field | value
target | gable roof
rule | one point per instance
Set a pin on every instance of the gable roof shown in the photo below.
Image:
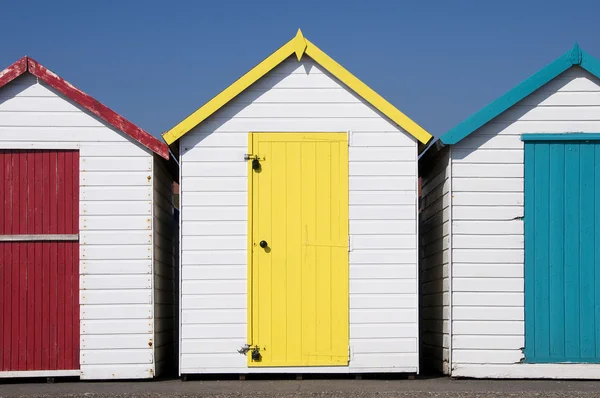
(299, 46)
(574, 57)
(27, 64)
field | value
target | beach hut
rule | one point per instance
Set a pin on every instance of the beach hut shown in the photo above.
(86, 235)
(510, 229)
(298, 223)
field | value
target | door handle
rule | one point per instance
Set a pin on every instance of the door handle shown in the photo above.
(263, 244)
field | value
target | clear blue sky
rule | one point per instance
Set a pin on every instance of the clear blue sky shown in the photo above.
(157, 61)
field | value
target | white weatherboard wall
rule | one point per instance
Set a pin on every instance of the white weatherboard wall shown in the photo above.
(116, 235)
(296, 97)
(488, 239)
(434, 230)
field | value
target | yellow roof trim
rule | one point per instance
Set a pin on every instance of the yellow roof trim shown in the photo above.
(298, 46)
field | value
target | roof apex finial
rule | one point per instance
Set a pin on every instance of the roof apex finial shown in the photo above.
(299, 44)
(575, 55)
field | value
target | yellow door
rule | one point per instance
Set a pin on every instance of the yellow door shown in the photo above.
(298, 282)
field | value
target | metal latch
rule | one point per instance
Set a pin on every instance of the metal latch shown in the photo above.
(255, 161)
(255, 355)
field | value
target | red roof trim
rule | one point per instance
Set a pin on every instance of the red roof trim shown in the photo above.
(81, 98)
(12, 72)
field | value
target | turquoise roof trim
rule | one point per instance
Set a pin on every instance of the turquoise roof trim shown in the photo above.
(574, 56)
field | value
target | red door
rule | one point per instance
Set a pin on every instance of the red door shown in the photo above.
(39, 260)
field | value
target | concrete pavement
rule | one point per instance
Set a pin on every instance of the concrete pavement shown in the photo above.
(433, 388)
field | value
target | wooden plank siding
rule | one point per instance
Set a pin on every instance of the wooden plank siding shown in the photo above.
(165, 232)
(116, 249)
(383, 250)
(434, 258)
(488, 241)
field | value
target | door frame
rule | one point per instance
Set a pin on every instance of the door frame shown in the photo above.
(528, 206)
(250, 230)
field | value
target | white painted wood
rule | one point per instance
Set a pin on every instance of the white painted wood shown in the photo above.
(382, 227)
(213, 301)
(382, 198)
(216, 213)
(487, 342)
(377, 300)
(382, 271)
(131, 223)
(487, 284)
(117, 372)
(116, 163)
(487, 199)
(116, 177)
(381, 154)
(488, 299)
(492, 328)
(382, 185)
(115, 252)
(397, 184)
(115, 267)
(97, 282)
(124, 326)
(379, 168)
(487, 356)
(100, 193)
(486, 170)
(400, 256)
(214, 228)
(222, 184)
(487, 314)
(495, 227)
(513, 256)
(486, 270)
(488, 241)
(115, 237)
(131, 311)
(108, 357)
(478, 213)
(471, 184)
(112, 342)
(383, 346)
(528, 371)
(38, 373)
(293, 110)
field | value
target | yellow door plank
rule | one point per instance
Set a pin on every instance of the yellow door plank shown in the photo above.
(299, 289)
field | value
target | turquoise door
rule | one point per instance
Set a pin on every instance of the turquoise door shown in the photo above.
(562, 248)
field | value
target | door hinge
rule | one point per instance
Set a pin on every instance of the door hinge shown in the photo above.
(248, 156)
(349, 353)
(349, 243)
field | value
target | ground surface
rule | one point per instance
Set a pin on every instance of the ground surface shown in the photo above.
(434, 388)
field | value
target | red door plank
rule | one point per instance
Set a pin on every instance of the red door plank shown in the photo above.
(31, 261)
(39, 275)
(46, 166)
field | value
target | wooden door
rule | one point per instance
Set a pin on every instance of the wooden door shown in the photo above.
(39, 260)
(299, 245)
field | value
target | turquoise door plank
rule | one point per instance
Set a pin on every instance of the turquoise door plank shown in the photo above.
(542, 249)
(586, 251)
(572, 250)
(556, 251)
(529, 212)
